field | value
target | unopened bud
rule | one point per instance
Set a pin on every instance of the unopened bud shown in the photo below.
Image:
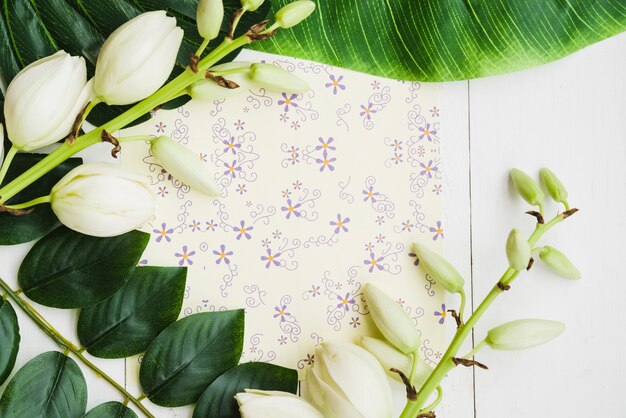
(517, 250)
(251, 5)
(294, 13)
(209, 16)
(527, 187)
(559, 263)
(277, 79)
(439, 268)
(523, 334)
(554, 186)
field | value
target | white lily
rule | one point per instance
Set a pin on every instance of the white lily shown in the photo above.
(273, 404)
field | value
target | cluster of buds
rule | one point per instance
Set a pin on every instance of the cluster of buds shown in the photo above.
(49, 99)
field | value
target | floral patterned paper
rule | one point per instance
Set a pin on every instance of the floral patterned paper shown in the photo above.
(320, 193)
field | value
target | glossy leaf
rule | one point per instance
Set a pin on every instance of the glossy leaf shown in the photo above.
(218, 400)
(111, 410)
(25, 228)
(9, 339)
(190, 354)
(127, 322)
(49, 386)
(444, 40)
(67, 269)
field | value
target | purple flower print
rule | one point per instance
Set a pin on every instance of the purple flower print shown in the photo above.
(162, 191)
(340, 224)
(417, 260)
(231, 145)
(163, 233)
(374, 262)
(427, 132)
(335, 83)
(326, 162)
(266, 242)
(443, 313)
(185, 256)
(282, 340)
(438, 231)
(397, 145)
(291, 209)
(428, 169)
(241, 188)
(326, 144)
(195, 226)
(345, 302)
(242, 230)
(367, 111)
(310, 359)
(271, 258)
(231, 169)
(288, 101)
(160, 127)
(314, 290)
(239, 125)
(437, 189)
(210, 225)
(370, 194)
(281, 312)
(380, 220)
(369, 247)
(284, 117)
(297, 185)
(407, 226)
(380, 238)
(355, 322)
(375, 84)
(434, 111)
(222, 255)
(397, 158)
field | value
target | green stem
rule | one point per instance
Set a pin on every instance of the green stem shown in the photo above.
(37, 201)
(136, 138)
(171, 89)
(67, 345)
(462, 307)
(240, 70)
(446, 364)
(475, 350)
(7, 162)
(414, 363)
(238, 14)
(435, 403)
(202, 47)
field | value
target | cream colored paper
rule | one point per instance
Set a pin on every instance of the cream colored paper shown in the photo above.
(332, 186)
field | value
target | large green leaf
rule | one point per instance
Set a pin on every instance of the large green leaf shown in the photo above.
(49, 386)
(110, 410)
(25, 228)
(9, 339)
(218, 400)
(443, 40)
(66, 269)
(127, 322)
(190, 354)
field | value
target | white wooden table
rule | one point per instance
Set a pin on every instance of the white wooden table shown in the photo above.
(569, 116)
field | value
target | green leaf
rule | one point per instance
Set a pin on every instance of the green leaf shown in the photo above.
(67, 269)
(190, 354)
(218, 400)
(49, 386)
(110, 410)
(25, 228)
(9, 339)
(127, 322)
(445, 40)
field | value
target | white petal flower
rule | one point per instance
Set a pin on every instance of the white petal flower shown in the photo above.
(273, 404)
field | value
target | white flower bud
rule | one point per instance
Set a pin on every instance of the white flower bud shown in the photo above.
(554, 186)
(392, 321)
(294, 13)
(517, 250)
(102, 200)
(207, 89)
(347, 381)
(272, 404)
(527, 187)
(209, 17)
(251, 5)
(137, 58)
(183, 164)
(523, 334)
(276, 79)
(439, 268)
(559, 263)
(43, 100)
(389, 357)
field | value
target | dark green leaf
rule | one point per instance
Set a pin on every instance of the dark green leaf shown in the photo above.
(49, 386)
(127, 322)
(190, 354)
(218, 400)
(25, 228)
(8, 63)
(108, 15)
(67, 269)
(443, 40)
(110, 410)
(9, 339)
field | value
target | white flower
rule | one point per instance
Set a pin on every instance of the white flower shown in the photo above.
(439, 268)
(137, 58)
(183, 164)
(273, 404)
(102, 200)
(346, 381)
(251, 5)
(276, 79)
(209, 16)
(43, 100)
(517, 250)
(523, 334)
(392, 321)
(558, 262)
(294, 13)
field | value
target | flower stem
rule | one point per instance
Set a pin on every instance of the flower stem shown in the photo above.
(435, 403)
(162, 95)
(37, 201)
(7, 162)
(446, 364)
(67, 345)
(475, 350)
